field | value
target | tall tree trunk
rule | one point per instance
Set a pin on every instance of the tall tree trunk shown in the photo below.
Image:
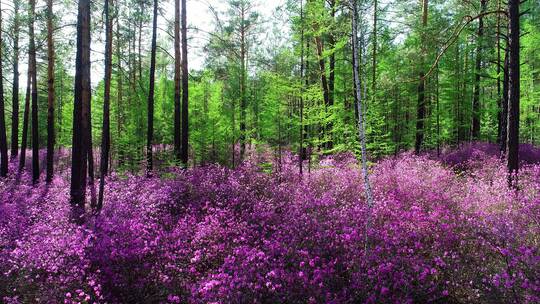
(301, 151)
(478, 70)
(374, 63)
(89, 145)
(513, 87)
(80, 112)
(438, 111)
(324, 81)
(3, 136)
(185, 84)
(50, 93)
(331, 76)
(421, 107)
(24, 139)
(243, 101)
(361, 128)
(499, 63)
(106, 131)
(15, 87)
(504, 106)
(35, 126)
(149, 163)
(119, 90)
(177, 80)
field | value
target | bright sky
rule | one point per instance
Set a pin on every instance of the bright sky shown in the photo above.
(198, 16)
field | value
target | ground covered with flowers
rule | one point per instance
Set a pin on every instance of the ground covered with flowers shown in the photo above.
(443, 230)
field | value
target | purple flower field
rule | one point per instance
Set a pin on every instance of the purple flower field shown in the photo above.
(442, 230)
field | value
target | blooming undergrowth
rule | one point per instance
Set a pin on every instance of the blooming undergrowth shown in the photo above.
(442, 230)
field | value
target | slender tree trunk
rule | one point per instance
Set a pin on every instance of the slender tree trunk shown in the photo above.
(421, 107)
(119, 91)
(177, 80)
(499, 63)
(361, 129)
(50, 91)
(324, 81)
(24, 139)
(374, 63)
(185, 87)
(89, 145)
(80, 112)
(513, 87)
(301, 149)
(106, 131)
(3, 137)
(438, 113)
(243, 101)
(331, 77)
(149, 164)
(15, 87)
(504, 110)
(34, 94)
(478, 70)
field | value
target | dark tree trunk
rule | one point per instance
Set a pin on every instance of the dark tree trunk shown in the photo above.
(177, 80)
(421, 112)
(243, 101)
(106, 131)
(478, 69)
(504, 106)
(499, 94)
(149, 164)
(3, 136)
(15, 87)
(374, 63)
(24, 139)
(50, 93)
(301, 151)
(119, 91)
(35, 126)
(421, 107)
(324, 81)
(513, 86)
(89, 144)
(80, 112)
(185, 83)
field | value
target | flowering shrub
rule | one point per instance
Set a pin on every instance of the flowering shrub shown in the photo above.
(215, 235)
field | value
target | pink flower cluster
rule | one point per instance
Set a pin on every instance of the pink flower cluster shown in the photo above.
(214, 235)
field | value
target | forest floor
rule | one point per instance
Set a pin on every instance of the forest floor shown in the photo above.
(443, 229)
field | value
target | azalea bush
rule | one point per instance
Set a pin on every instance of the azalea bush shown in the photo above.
(442, 230)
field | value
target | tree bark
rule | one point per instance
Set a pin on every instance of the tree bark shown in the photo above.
(243, 101)
(150, 135)
(15, 87)
(301, 151)
(421, 107)
(478, 69)
(24, 139)
(361, 129)
(504, 106)
(374, 63)
(513, 88)
(499, 63)
(50, 93)
(80, 112)
(3, 136)
(185, 85)
(177, 80)
(34, 94)
(106, 131)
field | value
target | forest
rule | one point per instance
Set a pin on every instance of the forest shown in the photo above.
(288, 151)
